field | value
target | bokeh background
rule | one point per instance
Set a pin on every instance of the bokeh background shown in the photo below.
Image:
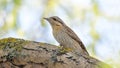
(96, 22)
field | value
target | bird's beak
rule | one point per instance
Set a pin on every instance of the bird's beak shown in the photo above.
(46, 18)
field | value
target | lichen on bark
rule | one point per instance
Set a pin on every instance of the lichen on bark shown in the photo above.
(19, 53)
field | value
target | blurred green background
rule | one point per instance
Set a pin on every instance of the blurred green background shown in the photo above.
(96, 22)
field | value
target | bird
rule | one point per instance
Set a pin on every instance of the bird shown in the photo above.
(65, 36)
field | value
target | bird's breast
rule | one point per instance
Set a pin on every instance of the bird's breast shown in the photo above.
(66, 41)
(63, 38)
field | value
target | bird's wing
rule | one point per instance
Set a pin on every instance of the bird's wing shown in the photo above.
(75, 37)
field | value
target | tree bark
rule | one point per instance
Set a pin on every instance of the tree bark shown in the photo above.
(19, 53)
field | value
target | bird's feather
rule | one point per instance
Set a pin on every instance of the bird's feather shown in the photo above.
(75, 37)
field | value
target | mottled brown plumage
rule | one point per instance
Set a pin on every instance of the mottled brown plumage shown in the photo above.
(65, 36)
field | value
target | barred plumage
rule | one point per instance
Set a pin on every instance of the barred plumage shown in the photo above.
(65, 36)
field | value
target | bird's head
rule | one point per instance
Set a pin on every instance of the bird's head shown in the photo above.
(55, 21)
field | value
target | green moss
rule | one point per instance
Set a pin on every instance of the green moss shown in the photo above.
(12, 44)
(64, 50)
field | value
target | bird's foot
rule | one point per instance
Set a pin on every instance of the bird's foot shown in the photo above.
(63, 50)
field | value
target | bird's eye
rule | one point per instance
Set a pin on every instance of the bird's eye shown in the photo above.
(55, 19)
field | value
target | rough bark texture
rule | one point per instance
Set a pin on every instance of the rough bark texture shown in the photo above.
(19, 53)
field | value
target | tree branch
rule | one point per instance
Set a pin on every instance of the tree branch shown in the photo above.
(19, 53)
